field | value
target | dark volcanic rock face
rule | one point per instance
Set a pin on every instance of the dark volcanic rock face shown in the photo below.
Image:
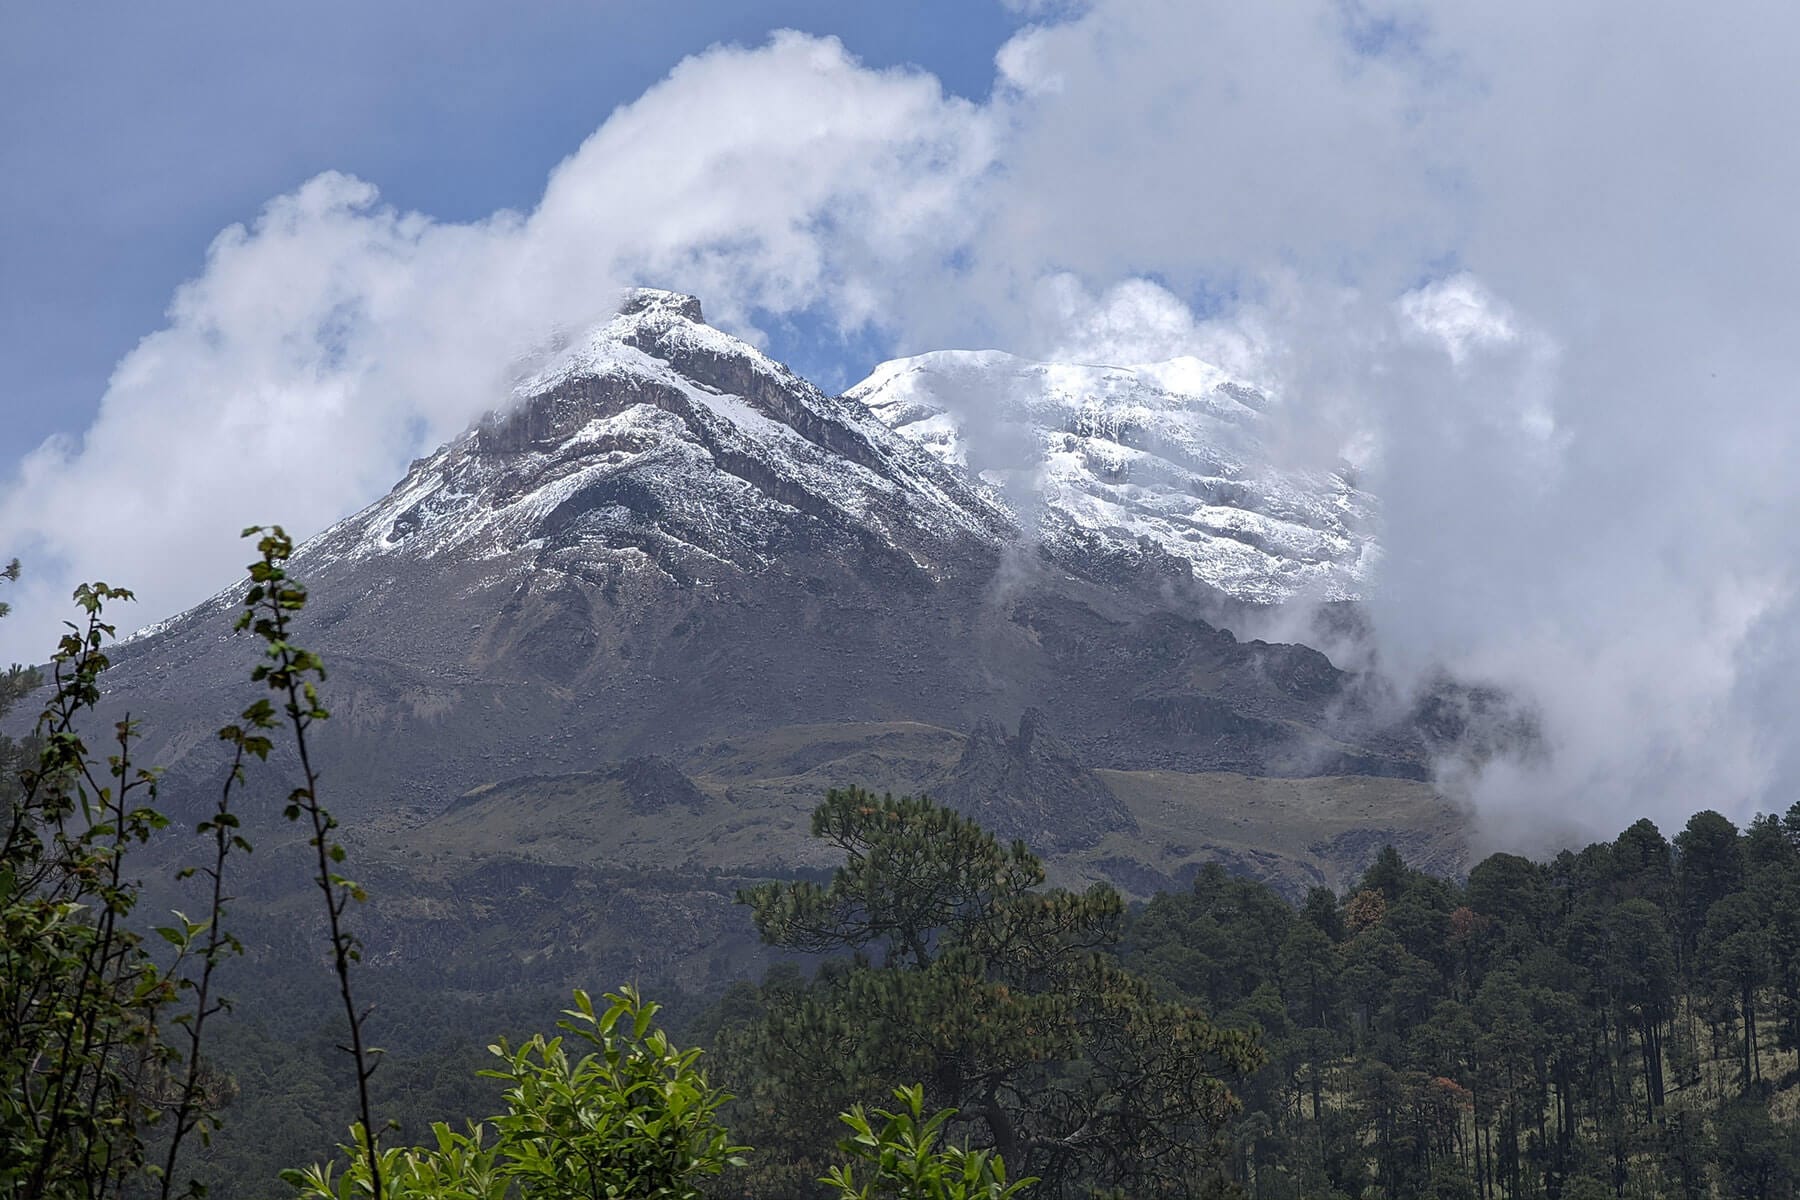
(1032, 786)
(652, 783)
(666, 539)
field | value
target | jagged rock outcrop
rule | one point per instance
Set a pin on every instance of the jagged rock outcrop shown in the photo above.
(653, 783)
(1031, 785)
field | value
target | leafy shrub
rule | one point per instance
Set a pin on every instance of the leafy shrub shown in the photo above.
(904, 1162)
(630, 1117)
(84, 1069)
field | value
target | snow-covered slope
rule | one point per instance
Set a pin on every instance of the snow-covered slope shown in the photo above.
(1171, 451)
(661, 442)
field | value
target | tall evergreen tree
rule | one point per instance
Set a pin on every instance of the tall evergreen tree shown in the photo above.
(972, 979)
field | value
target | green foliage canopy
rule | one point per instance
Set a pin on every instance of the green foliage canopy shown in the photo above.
(992, 991)
(630, 1117)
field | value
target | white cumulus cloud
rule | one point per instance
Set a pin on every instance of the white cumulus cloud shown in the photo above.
(334, 338)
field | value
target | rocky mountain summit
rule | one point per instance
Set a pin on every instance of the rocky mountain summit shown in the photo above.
(1032, 786)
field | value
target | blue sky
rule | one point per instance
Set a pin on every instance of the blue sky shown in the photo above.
(1532, 265)
(131, 134)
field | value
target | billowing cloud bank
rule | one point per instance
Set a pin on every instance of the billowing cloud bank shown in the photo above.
(1531, 267)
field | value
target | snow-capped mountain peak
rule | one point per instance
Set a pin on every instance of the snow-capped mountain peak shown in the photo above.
(658, 441)
(658, 445)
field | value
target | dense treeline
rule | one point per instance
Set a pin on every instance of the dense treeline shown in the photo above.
(1610, 1022)
(1618, 1021)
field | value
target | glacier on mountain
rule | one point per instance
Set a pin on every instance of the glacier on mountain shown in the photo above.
(1172, 451)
